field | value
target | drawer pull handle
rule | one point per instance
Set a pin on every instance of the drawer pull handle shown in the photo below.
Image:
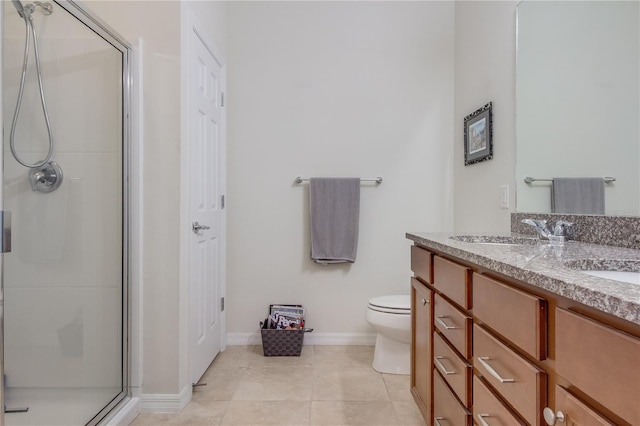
(424, 302)
(444, 324)
(441, 366)
(551, 418)
(481, 419)
(483, 360)
(435, 419)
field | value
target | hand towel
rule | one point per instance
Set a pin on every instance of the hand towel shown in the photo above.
(335, 215)
(577, 195)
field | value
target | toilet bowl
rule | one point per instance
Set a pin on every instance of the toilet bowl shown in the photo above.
(390, 316)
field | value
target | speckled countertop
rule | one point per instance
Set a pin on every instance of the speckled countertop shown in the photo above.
(554, 268)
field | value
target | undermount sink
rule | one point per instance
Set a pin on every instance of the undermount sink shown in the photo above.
(501, 240)
(627, 271)
(624, 276)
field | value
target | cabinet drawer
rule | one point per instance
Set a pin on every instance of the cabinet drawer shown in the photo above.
(454, 325)
(489, 410)
(422, 334)
(518, 316)
(422, 263)
(577, 412)
(455, 370)
(447, 410)
(453, 280)
(521, 383)
(600, 361)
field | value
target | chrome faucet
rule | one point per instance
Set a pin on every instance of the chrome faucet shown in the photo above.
(562, 231)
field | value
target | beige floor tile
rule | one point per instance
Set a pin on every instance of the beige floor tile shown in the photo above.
(348, 384)
(153, 419)
(264, 413)
(326, 385)
(222, 384)
(304, 360)
(352, 413)
(398, 386)
(210, 413)
(234, 356)
(408, 414)
(276, 384)
(343, 356)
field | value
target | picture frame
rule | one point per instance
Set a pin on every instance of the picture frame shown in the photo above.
(478, 135)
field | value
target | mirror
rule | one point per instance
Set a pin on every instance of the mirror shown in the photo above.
(578, 100)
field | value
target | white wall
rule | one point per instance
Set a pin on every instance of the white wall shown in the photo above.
(334, 89)
(161, 125)
(485, 71)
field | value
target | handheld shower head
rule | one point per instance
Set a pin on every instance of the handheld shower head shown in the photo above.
(19, 7)
(25, 11)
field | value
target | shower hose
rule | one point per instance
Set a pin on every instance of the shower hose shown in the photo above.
(30, 29)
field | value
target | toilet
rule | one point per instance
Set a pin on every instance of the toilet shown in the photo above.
(390, 316)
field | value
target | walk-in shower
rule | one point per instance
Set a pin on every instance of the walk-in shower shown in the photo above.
(65, 97)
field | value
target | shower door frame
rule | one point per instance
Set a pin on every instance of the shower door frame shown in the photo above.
(104, 31)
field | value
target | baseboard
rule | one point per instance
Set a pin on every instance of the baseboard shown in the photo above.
(165, 403)
(126, 414)
(313, 338)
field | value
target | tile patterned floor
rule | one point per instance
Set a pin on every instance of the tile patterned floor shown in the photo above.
(326, 385)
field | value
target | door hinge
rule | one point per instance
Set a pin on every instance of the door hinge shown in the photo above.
(222, 99)
(222, 202)
(222, 304)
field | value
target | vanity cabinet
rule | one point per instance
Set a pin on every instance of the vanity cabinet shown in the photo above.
(517, 316)
(574, 412)
(447, 410)
(600, 361)
(491, 350)
(519, 382)
(421, 353)
(422, 330)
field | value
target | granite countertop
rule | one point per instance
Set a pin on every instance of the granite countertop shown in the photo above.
(553, 268)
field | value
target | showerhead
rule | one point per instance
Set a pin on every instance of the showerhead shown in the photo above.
(26, 11)
(19, 7)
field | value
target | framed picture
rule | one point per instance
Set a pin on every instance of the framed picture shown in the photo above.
(478, 135)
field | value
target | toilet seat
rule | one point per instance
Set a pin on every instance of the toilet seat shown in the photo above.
(395, 304)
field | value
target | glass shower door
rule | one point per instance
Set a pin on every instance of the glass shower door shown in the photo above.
(65, 280)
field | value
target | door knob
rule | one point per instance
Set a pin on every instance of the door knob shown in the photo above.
(551, 418)
(196, 227)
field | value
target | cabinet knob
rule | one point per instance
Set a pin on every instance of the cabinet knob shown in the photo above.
(424, 302)
(551, 418)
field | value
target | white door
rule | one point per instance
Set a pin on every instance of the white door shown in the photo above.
(206, 144)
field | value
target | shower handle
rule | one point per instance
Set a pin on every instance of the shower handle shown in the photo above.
(196, 227)
(5, 228)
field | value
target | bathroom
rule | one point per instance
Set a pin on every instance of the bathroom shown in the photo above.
(312, 89)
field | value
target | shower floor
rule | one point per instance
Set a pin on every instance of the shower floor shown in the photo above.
(56, 406)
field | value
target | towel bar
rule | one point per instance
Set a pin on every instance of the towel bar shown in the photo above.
(528, 179)
(375, 179)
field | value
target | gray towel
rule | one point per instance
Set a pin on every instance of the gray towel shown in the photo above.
(335, 213)
(577, 195)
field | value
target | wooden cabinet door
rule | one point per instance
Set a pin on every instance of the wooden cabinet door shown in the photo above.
(454, 325)
(517, 380)
(576, 412)
(489, 410)
(517, 316)
(447, 410)
(421, 264)
(600, 361)
(421, 346)
(453, 280)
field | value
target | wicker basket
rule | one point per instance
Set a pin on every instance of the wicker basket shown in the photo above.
(282, 342)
